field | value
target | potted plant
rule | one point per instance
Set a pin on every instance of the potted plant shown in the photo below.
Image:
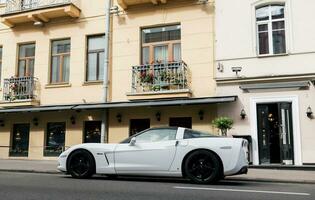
(223, 123)
(146, 80)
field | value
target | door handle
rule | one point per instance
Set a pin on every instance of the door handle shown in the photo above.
(176, 143)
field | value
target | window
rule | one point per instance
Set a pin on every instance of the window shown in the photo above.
(185, 122)
(161, 44)
(3, 1)
(26, 60)
(60, 61)
(55, 138)
(157, 135)
(270, 21)
(95, 58)
(189, 134)
(1, 62)
(92, 132)
(20, 140)
(138, 125)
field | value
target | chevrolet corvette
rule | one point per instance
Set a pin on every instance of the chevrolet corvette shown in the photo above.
(169, 152)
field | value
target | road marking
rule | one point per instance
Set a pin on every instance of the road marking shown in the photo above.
(238, 190)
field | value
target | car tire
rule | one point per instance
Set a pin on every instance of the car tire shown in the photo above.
(81, 164)
(202, 167)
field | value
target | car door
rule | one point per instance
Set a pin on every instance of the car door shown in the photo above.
(153, 150)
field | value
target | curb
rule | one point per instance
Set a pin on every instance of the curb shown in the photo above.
(270, 180)
(30, 171)
(226, 179)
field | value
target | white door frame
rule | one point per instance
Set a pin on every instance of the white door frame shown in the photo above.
(295, 124)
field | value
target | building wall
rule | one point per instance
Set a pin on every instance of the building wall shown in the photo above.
(196, 38)
(236, 44)
(90, 22)
(73, 134)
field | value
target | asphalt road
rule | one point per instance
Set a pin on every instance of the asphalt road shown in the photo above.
(43, 186)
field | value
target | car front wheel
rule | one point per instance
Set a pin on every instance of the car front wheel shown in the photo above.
(202, 167)
(81, 164)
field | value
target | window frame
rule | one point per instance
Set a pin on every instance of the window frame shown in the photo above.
(1, 58)
(151, 45)
(61, 55)
(98, 52)
(270, 31)
(26, 59)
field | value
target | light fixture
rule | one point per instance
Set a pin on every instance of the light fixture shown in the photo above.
(309, 112)
(237, 70)
(72, 119)
(35, 121)
(115, 10)
(203, 1)
(158, 116)
(243, 114)
(38, 24)
(119, 117)
(201, 114)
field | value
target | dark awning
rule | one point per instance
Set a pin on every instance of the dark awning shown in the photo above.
(128, 104)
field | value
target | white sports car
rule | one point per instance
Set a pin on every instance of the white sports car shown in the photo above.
(174, 152)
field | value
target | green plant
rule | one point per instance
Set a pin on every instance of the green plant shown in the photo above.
(223, 123)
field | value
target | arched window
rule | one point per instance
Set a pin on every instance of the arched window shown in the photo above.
(270, 22)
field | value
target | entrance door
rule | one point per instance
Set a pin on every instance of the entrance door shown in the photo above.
(275, 137)
(20, 140)
(286, 135)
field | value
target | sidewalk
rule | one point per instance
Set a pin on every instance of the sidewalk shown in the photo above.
(265, 175)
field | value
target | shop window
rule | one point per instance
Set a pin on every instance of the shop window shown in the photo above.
(55, 139)
(138, 125)
(184, 122)
(92, 132)
(20, 140)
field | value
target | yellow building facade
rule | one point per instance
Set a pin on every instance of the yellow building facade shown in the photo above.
(160, 72)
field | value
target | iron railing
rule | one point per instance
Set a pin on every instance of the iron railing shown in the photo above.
(22, 88)
(158, 77)
(13, 6)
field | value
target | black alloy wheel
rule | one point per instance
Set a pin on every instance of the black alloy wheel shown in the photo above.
(202, 167)
(81, 164)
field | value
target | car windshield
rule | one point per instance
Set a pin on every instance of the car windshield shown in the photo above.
(189, 134)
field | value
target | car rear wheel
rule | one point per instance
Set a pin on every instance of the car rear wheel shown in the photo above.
(81, 164)
(202, 167)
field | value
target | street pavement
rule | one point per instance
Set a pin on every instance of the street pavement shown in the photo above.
(266, 175)
(34, 186)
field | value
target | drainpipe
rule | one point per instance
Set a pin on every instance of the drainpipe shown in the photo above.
(104, 128)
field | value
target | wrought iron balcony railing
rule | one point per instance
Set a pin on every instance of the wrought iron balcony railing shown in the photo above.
(13, 6)
(17, 89)
(158, 77)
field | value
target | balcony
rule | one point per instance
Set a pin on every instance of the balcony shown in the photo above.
(160, 81)
(125, 3)
(42, 11)
(19, 92)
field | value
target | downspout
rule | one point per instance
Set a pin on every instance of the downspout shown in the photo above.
(104, 127)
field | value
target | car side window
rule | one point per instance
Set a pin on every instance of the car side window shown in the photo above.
(157, 135)
(189, 134)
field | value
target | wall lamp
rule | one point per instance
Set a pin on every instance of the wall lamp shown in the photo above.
(72, 119)
(309, 112)
(35, 121)
(158, 116)
(236, 70)
(201, 114)
(119, 117)
(243, 114)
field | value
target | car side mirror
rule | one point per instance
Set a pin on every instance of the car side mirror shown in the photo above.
(133, 141)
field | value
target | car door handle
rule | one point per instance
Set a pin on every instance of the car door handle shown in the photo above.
(176, 143)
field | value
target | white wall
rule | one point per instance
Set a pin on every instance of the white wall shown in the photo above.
(236, 39)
